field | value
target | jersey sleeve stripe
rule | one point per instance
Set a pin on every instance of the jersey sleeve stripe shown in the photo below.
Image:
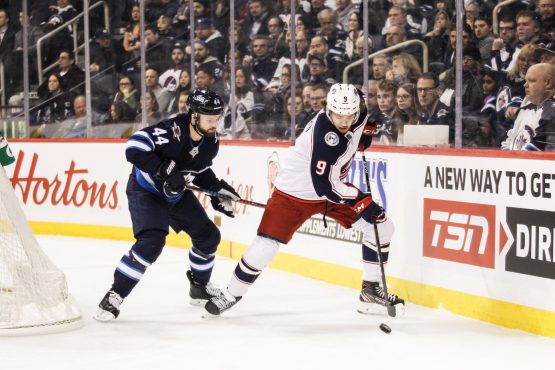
(144, 136)
(137, 145)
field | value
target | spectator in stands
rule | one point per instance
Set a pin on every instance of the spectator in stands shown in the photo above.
(406, 111)
(438, 39)
(372, 96)
(472, 89)
(491, 131)
(503, 47)
(73, 78)
(256, 21)
(157, 49)
(354, 29)
(318, 70)
(432, 111)
(397, 16)
(61, 13)
(331, 31)
(201, 9)
(215, 43)
(484, 36)
(7, 35)
(262, 63)
(75, 126)
(278, 36)
(205, 59)
(131, 37)
(380, 65)
(153, 114)
(204, 78)
(161, 95)
(104, 54)
(159, 8)
(449, 57)
(534, 127)
(317, 98)
(404, 68)
(301, 116)
(386, 131)
(243, 109)
(183, 87)
(164, 25)
(310, 17)
(55, 105)
(545, 54)
(307, 90)
(546, 10)
(169, 79)
(472, 10)
(344, 9)
(126, 99)
(527, 27)
(334, 63)
(118, 114)
(105, 61)
(395, 35)
(516, 79)
(182, 106)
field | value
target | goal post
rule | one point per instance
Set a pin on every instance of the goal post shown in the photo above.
(34, 298)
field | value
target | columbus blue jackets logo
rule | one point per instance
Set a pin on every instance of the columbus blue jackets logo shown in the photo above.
(331, 139)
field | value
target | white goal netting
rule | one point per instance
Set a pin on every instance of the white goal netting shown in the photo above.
(33, 292)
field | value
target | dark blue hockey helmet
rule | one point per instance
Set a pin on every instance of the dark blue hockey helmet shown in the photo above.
(204, 101)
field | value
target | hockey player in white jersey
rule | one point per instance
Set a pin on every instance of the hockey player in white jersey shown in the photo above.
(311, 181)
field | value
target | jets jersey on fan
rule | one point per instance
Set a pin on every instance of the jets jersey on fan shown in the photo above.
(170, 139)
(326, 154)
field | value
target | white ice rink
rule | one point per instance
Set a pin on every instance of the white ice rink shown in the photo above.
(285, 322)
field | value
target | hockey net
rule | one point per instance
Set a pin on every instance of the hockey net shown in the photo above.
(34, 298)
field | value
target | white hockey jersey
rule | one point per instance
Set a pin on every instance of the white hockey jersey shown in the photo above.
(316, 166)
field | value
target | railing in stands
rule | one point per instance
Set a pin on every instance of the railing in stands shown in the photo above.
(72, 22)
(495, 13)
(401, 45)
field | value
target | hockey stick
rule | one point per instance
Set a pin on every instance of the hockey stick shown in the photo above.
(390, 309)
(223, 196)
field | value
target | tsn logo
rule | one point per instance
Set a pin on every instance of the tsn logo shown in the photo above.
(459, 232)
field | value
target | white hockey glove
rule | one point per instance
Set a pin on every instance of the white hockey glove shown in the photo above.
(223, 204)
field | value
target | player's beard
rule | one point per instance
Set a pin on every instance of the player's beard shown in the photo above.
(207, 133)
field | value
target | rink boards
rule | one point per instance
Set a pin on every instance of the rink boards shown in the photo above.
(475, 230)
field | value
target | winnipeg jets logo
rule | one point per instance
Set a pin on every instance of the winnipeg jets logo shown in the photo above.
(193, 152)
(331, 139)
(176, 131)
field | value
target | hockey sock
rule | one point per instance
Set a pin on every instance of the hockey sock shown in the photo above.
(371, 265)
(129, 272)
(201, 265)
(259, 254)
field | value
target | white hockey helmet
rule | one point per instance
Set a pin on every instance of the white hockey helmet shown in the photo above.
(343, 99)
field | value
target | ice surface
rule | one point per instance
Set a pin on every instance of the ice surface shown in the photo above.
(285, 322)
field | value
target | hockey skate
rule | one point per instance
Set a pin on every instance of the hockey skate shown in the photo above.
(373, 301)
(201, 293)
(224, 302)
(108, 308)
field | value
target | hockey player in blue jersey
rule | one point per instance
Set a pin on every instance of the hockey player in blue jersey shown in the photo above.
(166, 157)
(311, 181)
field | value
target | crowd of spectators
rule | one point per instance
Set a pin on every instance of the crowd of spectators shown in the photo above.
(496, 86)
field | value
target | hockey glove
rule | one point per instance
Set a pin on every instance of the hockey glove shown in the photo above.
(370, 129)
(223, 204)
(367, 209)
(174, 181)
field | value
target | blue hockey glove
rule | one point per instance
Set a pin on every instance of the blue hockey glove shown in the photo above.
(174, 181)
(224, 204)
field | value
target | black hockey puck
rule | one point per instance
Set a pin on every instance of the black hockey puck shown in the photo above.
(386, 329)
